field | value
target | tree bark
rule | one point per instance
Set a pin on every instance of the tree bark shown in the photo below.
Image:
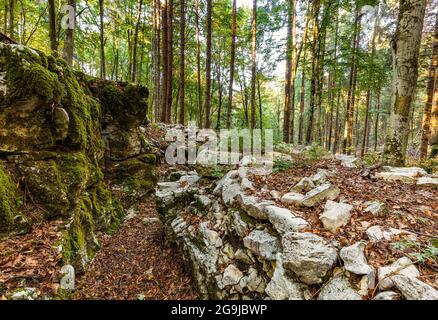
(253, 64)
(52, 27)
(102, 41)
(302, 102)
(69, 38)
(136, 32)
(431, 84)
(288, 80)
(406, 47)
(12, 18)
(232, 63)
(207, 123)
(169, 60)
(198, 66)
(164, 59)
(182, 66)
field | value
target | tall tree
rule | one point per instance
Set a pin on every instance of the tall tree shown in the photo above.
(169, 60)
(406, 48)
(288, 80)
(253, 64)
(315, 71)
(207, 108)
(69, 37)
(156, 57)
(12, 19)
(198, 65)
(136, 32)
(102, 40)
(431, 84)
(52, 27)
(232, 62)
(182, 58)
(165, 59)
(351, 99)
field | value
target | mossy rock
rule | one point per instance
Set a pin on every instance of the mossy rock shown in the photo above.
(9, 202)
(137, 174)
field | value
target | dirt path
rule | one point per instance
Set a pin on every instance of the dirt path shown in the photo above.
(136, 263)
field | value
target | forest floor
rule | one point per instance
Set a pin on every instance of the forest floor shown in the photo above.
(411, 208)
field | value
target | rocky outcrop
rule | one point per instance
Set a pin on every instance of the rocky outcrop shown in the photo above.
(60, 134)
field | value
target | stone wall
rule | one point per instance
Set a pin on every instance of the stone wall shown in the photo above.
(62, 135)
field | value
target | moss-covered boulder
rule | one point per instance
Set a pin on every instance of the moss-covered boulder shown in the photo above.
(9, 201)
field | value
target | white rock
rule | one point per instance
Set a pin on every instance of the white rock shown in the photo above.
(406, 175)
(211, 238)
(230, 193)
(308, 256)
(253, 206)
(282, 287)
(347, 161)
(338, 288)
(354, 259)
(320, 177)
(387, 295)
(262, 244)
(378, 233)
(292, 198)
(376, 208)
(402, 266)
(336, 215)
(284, 220)
(68, 278)
(414, 289)
(427, 181)
(305, 185)
(25, 294)
(275, 195)
(232, 276)
(324, 192)
(254, 282)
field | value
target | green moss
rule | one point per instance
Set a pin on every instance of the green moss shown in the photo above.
(137, 174)
(9, 202)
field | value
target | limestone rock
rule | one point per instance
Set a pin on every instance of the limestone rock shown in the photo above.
(336, 215)
(68, 278)
(427, 181)
(414, 289)
(243, 257)
(305, 185)
(308, 256)
(402, 266)
(347, 161)
(254, 282)
(253, 206)
(354, 259)
(378, 233)
(292, 198)
(232, 276)
(338, 288)
(387, 295)
(262, 244)
(25, 294)
(282, 287)
(284, 220)
(406, 175)
(324, 192)
(376, 208)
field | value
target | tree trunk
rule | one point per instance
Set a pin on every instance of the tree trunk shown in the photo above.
(69, 38)
(288, 80)
(431, 84)
(157, 58)
(198, 66)
(136, 32)
(315, 71)
(182, 66)
(232, 63)
(219, 85)
(12, 18)
(165, 58)
(207, 123)
(52, 27)
(302, 101)
(366, 125)
(260, 103)
(348, 133)
(102, 41)
(169, 60)
(253, 64)
(406, 47)
(336, 137)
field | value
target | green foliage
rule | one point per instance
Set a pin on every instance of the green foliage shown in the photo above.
(371, 158)
(282, 165)
(421, 253)
(430, 165)
(315, 153)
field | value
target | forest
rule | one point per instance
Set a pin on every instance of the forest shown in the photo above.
(89, 208)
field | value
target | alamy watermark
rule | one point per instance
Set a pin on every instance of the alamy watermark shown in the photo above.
(193, 146)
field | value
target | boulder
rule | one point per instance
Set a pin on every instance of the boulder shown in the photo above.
(305, 185)
(25, 294)
(378, 233)
(292, 198)
(262, 244)
(68, 278)
(308, 256)
(425, 181)
(354, 259)
(387, 295)
(338, 288)
(336, 215)
(402, 266)
(376, 208)
(284, 220)
(322, 193)
(253, 206)
(414, 289)
(232, 276)
(406, 175)
(347, 161)
(282, 287)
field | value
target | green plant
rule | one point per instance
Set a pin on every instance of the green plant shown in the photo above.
(282, 165)
(371, 158)
(315, 153)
